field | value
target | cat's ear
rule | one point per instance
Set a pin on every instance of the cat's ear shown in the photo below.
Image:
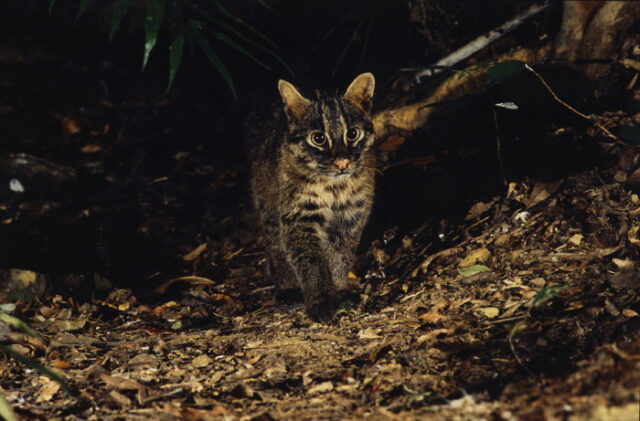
(295, 105)
(360, 92)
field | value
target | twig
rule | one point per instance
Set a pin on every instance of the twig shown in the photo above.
(499, 147)
(480, 42)
(346, 48)
(570, 108)
(515, 328)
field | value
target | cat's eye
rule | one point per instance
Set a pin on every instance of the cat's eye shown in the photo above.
(353, 134)
(317, 139)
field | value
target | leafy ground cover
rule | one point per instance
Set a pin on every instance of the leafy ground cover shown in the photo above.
(479, 293)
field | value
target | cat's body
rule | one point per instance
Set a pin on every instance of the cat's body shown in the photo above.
(312, 184)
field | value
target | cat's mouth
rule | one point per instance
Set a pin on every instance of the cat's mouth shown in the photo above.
(339, 168)
(333, 172)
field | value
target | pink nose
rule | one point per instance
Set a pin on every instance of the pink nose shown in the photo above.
(341, 164)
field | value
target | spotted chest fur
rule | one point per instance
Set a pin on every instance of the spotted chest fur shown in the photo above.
(312, 185)
(333, 208)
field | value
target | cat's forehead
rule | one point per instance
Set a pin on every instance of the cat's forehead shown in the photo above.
(333, 108)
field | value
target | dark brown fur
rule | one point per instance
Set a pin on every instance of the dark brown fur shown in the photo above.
(313, 200)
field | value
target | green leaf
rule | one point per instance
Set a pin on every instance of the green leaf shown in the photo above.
(17, 324)
(8, 307)
(6, 413)
(231, 43)
(155, 10)
(38, 367)
(630, 134)
(504, 70)
(119, 12)
(175, 58)
(546, 294)
(255, 44)
(233, 30)
(473, 269)
(240, 22)
(83, 7)
(264, 4)
(213, 57)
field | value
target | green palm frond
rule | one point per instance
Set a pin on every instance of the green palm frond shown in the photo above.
(202, 23)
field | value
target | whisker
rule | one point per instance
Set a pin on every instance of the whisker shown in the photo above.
(375, 169)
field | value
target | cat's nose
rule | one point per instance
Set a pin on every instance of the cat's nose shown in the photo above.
(341, 163)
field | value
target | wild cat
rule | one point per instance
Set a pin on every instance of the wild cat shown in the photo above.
(312, 185)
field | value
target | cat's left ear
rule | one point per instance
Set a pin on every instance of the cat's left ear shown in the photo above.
(360, 92)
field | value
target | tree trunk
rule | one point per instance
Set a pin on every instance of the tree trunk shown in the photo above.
(597, 30)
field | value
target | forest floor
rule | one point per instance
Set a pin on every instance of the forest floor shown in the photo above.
(130, 249)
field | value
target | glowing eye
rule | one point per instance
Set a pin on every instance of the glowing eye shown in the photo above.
(353, 134)
(317, 139)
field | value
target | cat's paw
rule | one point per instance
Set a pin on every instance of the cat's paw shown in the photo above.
(323, 309)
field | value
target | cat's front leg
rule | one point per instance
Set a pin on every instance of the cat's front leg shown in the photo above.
(312, 270)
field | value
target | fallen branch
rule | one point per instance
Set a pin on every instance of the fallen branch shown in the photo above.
(479, 43)
(411, 117)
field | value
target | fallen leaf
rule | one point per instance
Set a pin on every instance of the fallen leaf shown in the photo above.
(121, 383)
(538, 282)
(380, 256)
(428, 337)
(473, 269)
(490, 312)
(368, 333)
(70, 126)
(320, 388)
(627, 312)
(193, 254)
(476, 210)
(230, 255)
(480, 255)
(576, 239)
(542, 191)
(91, 148)
(60, 364)
(307, 379)
(632, 235)
(201, 361)
(502, 240)
(413, 324)
(119, 398)
(144, 359)
(624, 263)
(432, 317)
(69, 325)
(195, 414)
(47, 390)
(190, 280)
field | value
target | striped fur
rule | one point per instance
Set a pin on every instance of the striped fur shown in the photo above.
(313, 194)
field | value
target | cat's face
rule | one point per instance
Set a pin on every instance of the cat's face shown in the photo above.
(330, 134)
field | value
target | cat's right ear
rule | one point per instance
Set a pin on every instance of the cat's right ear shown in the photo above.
(295, 105)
